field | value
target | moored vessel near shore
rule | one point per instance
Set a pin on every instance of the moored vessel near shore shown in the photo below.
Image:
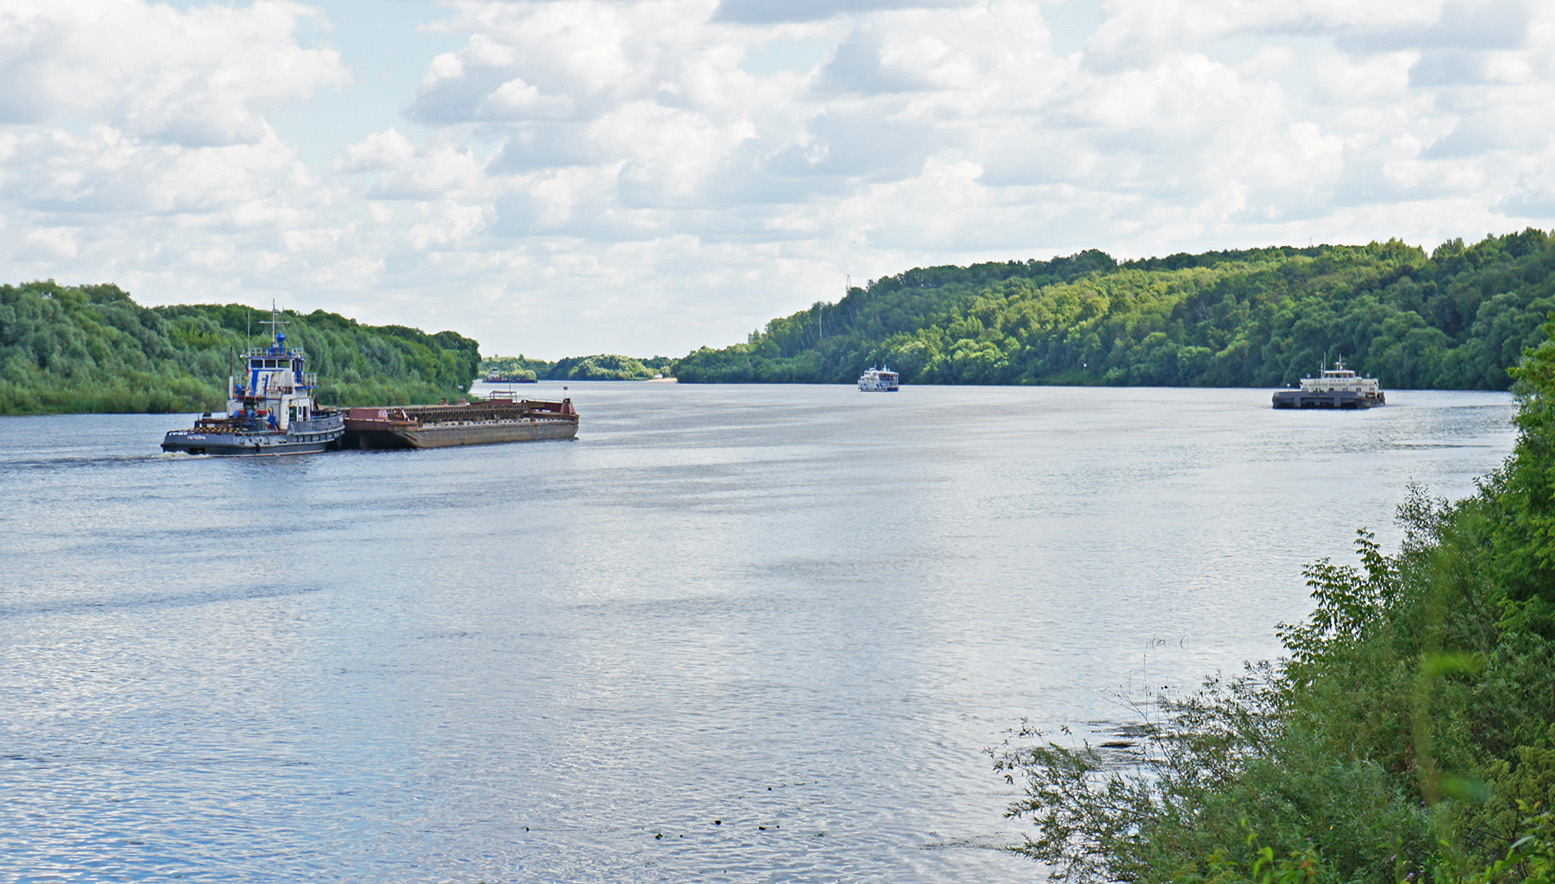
(270, 411)
(500, 418)
(1336, 387)
(878, 380)
(495, 376)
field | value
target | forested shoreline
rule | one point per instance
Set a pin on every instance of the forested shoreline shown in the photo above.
(601, 367)
(1407, 734)
(1454, 319)
(92, 349)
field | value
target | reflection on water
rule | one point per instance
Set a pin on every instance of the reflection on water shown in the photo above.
(741, 633)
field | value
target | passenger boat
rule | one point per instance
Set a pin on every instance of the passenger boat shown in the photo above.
(878, 380)
(270, 411)
(1336, 387)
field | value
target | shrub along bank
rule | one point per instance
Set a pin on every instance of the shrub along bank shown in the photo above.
(1407, 735)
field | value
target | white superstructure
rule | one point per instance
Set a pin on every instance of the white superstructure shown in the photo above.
(1340, 380)
(1336, 387)
(878, 380)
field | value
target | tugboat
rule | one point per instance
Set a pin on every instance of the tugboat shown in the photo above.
(270, 411)
(878, 380)
(1336, 387)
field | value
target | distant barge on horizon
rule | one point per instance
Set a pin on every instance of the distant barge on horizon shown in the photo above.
(496, 377)
(1336, 387)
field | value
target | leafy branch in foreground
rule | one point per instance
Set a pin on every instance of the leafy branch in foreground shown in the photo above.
(1104, 814)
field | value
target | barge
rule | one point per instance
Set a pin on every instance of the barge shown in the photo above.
(1336, 387)
(270, 411)
(500, 418)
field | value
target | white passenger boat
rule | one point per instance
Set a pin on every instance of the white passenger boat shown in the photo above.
(1336, 387)
(878, 380)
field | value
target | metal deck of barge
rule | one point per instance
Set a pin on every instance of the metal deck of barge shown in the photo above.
(465, 423)
(1326, 399)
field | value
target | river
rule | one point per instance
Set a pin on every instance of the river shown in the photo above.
(730, 633)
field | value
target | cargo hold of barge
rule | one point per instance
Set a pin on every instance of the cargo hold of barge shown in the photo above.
(498, 419)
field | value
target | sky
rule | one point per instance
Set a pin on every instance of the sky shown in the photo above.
(646, 177)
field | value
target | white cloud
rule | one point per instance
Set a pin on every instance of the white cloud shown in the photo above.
(584, 175)
(56, 242)
(1455, 24)
(518, 100)
(411, 171)
(587, 55)
(770, 12)
(200, 77)
(1343, 79)
(447, 225)
(106, 172)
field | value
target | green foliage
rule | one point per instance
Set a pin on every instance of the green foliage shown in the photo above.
(1408, 735)
(514, 367)
(1457, 319)
(603, 367)
(607, 368)
(1530, 859)
(93, 349)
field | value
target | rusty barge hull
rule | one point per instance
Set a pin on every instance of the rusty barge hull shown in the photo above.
(474, 423)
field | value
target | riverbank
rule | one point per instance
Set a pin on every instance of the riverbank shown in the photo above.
(1408, 733)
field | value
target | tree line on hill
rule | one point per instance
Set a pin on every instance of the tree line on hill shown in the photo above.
(1457, 318)
(601, 367)
(1454, 319)
(92, 349)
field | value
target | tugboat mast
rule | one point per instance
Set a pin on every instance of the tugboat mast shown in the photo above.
(276, 324)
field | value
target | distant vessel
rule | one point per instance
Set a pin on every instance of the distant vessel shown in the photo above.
(878, 380)
(495, 377)
(271, 411)
(1336, 387)
(497, 419)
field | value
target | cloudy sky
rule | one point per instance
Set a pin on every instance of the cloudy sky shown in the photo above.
(562, 177)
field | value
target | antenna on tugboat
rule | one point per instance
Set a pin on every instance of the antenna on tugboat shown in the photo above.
(276, 323)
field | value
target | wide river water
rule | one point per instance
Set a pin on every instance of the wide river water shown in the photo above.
(730, 633)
